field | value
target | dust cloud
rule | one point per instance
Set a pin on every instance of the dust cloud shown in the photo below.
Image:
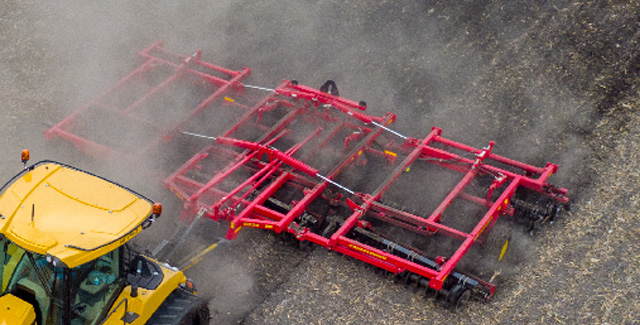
(429, 67)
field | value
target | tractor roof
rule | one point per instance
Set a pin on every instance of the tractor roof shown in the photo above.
(54, 209)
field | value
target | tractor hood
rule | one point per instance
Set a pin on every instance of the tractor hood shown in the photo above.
(54, 209)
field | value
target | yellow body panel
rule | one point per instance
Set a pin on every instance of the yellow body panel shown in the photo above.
(69, 214)
(15, 311)
(147, 301)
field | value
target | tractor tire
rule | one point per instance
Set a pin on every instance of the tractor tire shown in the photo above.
(181, 308)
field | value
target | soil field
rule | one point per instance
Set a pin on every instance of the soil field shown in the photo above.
(547, 80)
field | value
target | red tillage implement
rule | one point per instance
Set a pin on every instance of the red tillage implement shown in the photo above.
(314, 165)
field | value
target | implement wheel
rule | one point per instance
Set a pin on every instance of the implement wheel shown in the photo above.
(463, 299)
(458, 296)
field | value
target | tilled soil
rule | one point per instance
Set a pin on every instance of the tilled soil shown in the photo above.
(548, 81)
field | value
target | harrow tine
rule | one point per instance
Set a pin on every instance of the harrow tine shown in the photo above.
(399, 276)
(389, 130)
(258, 87)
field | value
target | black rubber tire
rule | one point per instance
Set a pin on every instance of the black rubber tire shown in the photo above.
(458, 296)
(181, 308)
(462, 300)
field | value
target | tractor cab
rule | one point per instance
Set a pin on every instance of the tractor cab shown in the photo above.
(79, 294)
(63, 252)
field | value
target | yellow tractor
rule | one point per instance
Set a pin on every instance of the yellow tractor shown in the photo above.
(65, 257)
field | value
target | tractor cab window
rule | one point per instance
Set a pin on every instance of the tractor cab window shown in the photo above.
(94, 287)
(91, 287)
(29, 277)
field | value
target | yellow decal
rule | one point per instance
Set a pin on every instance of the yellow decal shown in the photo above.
(408, 169)
(130, 235)
(176, 193)
(481, 230)
(359, 152)
(268, 226)
(390, 153)
(233, 225)
(251, 224)
(504, 250)
(366, 251)
(229, 99)
(237, 229)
